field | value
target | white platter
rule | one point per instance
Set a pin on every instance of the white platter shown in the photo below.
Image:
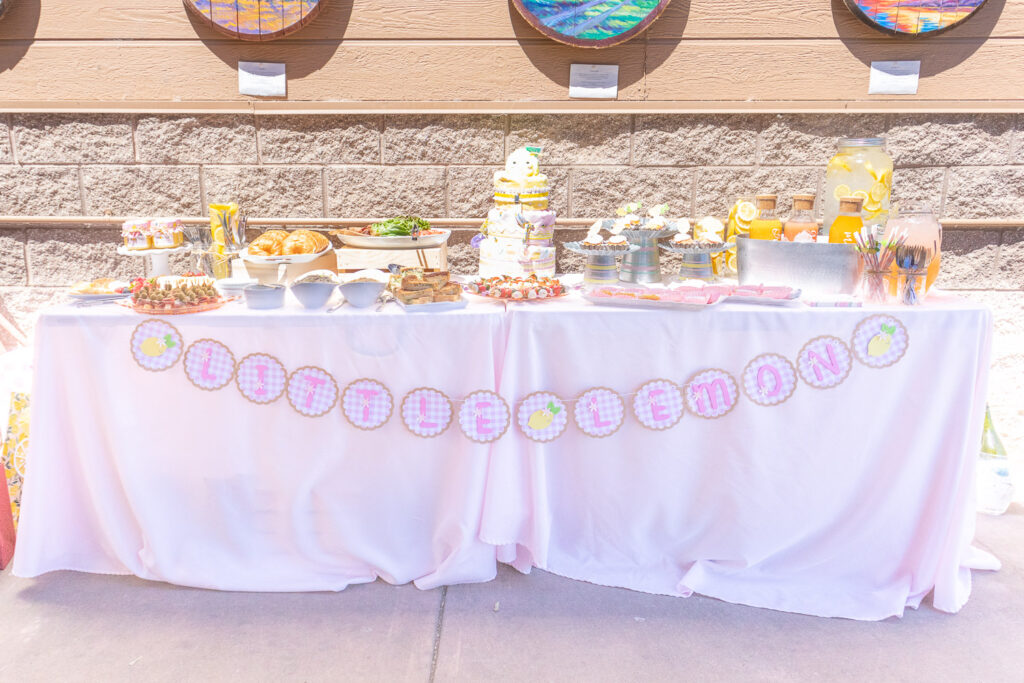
(95, 297)
(625, 302)
(366, 242)
(794, 298)
(286, 259)
(125, 251)
(435, 307)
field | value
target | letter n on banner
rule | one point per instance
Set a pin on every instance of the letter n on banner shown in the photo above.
(824, 362)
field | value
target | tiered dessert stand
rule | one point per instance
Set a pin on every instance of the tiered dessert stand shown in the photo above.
(696, 263)
(601, 268)
(159, 262)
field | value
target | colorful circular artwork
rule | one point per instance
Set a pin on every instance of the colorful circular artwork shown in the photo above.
(880, 341)
(542, 416)
(312, 391)
(256, 19)
(824, 362)
(367, 404)
(209, 364)
(261, 378)
(599, 412)
(658, 404)
(156, 345)
(484, 416)
(426, 412)
(769, 379)
(711, 393)
(914, 17)
(590, 23)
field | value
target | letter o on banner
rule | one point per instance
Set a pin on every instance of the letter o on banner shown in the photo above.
(711, 393)
(769, 379)
(658, 404)
(426, 412)
(261, 378)
(824, 362)
(484, 416)
(312, 391)
(209, 364)
(367, 404)
(599, 412)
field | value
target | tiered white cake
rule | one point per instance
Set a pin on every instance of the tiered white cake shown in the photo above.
(518, 232)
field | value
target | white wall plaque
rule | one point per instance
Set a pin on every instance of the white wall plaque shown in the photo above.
(894, 78)
(264, 79)
(594, 81)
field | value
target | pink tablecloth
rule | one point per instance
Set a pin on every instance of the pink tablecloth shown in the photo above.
(855, 501)
(135, 472)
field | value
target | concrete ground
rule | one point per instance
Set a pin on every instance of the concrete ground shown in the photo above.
(77, 627)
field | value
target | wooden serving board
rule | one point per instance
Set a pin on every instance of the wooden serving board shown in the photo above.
(258, 20)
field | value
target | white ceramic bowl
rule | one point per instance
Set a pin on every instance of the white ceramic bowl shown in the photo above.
(264, 297)
(313, 294)
(362, 294)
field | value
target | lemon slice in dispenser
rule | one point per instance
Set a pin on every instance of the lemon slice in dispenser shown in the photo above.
(746, 212)
(841, 191)
(878, 192)
(863, 194)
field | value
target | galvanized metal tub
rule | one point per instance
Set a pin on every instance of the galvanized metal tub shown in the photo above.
(813, 267)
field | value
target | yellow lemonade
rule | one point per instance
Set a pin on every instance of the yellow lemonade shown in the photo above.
(848, 223)
(767, 225)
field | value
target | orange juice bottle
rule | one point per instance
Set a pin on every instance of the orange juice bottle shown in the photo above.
(802, 220)
(767, 225)
(848, 223)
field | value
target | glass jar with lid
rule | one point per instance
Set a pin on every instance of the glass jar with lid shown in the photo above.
(861, 168)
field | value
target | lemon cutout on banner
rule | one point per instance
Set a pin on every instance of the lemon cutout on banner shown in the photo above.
(155, 346)
(880, 343)
(542, 419)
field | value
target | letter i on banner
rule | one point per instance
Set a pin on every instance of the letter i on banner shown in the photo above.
(824, 362)
(261, 378)
(312, 391)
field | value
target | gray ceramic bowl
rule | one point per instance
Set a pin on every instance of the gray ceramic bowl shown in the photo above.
(362, 294)
(264, 297)
(313, 294)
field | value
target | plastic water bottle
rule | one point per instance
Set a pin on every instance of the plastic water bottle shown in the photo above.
(995, 490)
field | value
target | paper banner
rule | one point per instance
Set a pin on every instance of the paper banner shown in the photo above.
(484, 416)
(367, 404)
(769, 379)
(658, 404)
(426, 412)
(824, 362)
(880, 341)
(156, 345)
(312, 391)
(599, 412)
(261, 378)
(711, 393)
(542, 416)
(209, 364)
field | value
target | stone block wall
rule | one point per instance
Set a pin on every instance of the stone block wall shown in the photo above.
(966, 166)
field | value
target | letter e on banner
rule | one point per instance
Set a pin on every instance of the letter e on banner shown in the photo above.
(658, 404)
(484, 416)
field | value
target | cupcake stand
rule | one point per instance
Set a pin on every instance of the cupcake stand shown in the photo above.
(159, 262)
(696, 261)
(642, 265)
(601, 268)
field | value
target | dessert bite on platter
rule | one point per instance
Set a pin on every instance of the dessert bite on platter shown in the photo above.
(175, 294)
(707, 234)
(518, 233)
(630, 219)
(152, 233)
(136, 234)
(530, 288)
(594, 241)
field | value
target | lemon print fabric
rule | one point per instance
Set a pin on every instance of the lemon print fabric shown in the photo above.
(590, 23)
(13, 449)
(880, 341)
(156, 345)
(542, 416)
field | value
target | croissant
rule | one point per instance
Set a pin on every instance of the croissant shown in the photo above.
(299, 242)
(269, 243)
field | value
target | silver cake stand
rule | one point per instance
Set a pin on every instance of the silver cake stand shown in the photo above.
(643, 266)
(696, 261)
(601, 269)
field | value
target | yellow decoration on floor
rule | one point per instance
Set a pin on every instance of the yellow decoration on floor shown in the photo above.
(15, 447)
